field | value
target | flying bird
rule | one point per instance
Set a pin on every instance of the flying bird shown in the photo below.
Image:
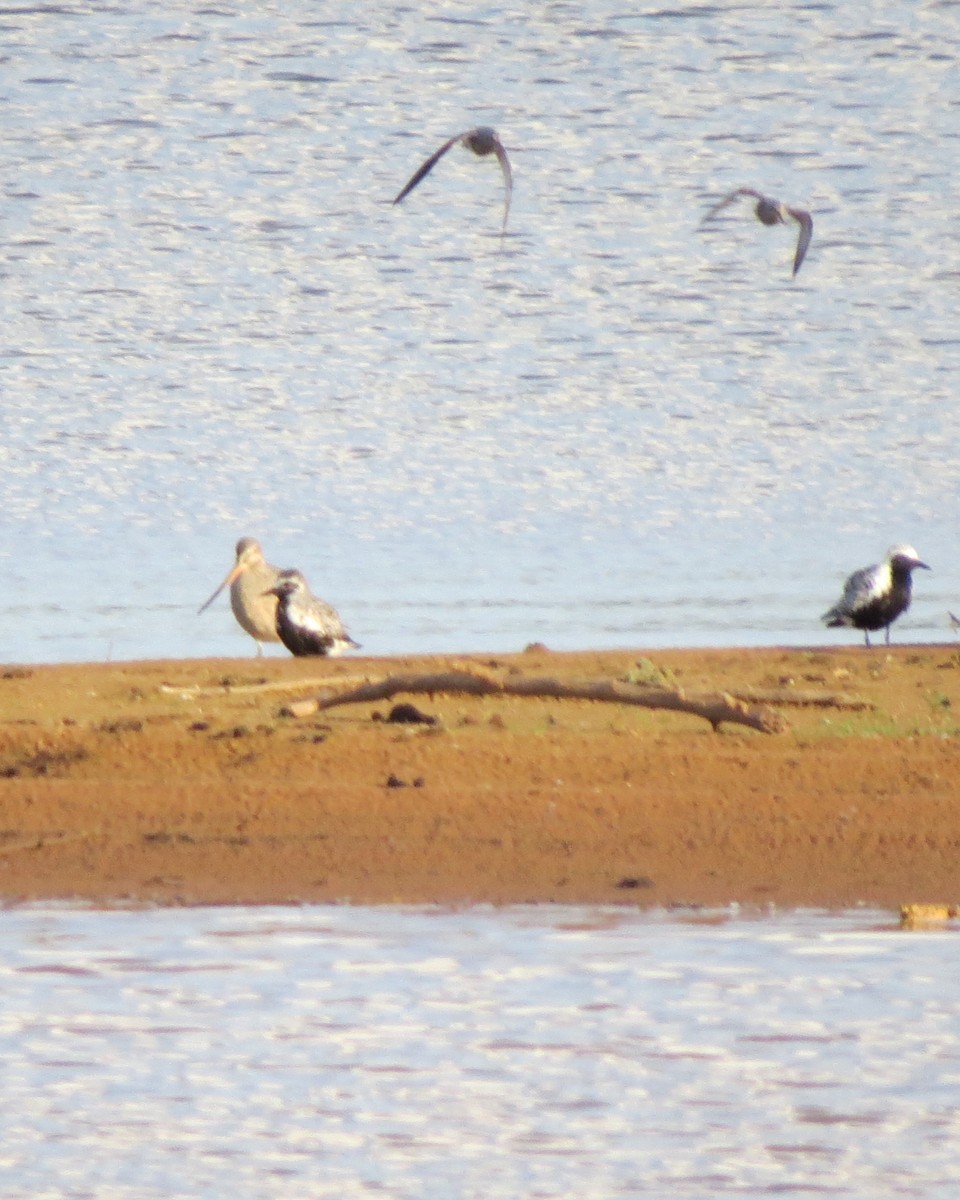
(305, 624)
(249, 579)
(875, 596)
(482, 141)
(773, 212)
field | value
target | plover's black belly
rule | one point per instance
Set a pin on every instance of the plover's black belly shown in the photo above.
(301, 640)
(881, 611)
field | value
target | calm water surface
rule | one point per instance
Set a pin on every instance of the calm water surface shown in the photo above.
(548, 1052)
(610, 427)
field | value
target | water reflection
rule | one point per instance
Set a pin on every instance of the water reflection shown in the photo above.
(591, 431)
(513, 1052)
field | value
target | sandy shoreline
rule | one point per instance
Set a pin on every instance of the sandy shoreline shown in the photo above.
(182, 782)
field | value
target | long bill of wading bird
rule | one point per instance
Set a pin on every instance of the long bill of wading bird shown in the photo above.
(482, 141)
(249, 581)
(773, 212)
(875, 596)
(305, 624)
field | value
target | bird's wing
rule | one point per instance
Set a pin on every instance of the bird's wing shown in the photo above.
(507, 178)
(805, 221)
(428, 166)
(863, 586)
(729, 199)
(321, 618)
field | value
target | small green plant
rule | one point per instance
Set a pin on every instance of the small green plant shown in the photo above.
(876, 725)
(646, 673)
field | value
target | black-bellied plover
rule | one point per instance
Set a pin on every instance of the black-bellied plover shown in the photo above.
(773, 212)
(482, 141)
(249, 580)
(305, 624)
(875, 596)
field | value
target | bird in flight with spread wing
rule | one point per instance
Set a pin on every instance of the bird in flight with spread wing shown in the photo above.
(482, 141)
(773, 212)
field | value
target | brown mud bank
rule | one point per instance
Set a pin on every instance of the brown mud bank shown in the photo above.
(186, 782)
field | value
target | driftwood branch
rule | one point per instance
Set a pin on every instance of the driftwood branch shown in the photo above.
(188, 691)
(789, 697)
(717, 708)
(40, 841)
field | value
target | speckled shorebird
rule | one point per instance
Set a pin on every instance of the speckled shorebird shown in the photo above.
(875, 596)
(305, 624)
(250, 579)
(773, 212)
(482, 141)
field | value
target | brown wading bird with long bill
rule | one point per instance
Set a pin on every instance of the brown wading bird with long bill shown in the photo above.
(482, 141)
(249, 581)
(773, 212)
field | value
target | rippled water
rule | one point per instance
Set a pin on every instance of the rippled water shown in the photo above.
(550, 1052)
(609, 427)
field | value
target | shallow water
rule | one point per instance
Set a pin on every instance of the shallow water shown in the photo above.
(547, 1051)
(609, 427)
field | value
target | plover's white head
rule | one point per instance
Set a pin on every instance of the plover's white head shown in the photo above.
(906, 557)
(289, 583)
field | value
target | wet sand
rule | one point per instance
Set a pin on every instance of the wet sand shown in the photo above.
(187, 782)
